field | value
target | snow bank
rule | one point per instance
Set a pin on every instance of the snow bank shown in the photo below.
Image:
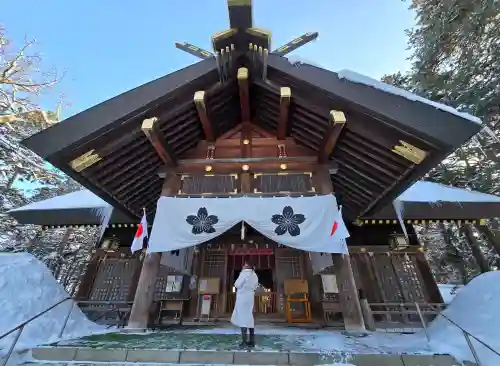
(448, 292)
(27, 288)
(365, 80)
(475, 309)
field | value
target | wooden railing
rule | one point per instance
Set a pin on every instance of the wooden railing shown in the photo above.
(264, 303)
(404, 315)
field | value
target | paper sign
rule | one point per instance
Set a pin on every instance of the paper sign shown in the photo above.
(329, 284)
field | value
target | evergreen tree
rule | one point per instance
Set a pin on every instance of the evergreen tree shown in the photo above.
(456, 61)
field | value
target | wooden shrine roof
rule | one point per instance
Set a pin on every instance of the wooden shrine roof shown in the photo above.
(369, 174)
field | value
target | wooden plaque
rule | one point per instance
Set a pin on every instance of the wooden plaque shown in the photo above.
(296, 286)
(209, 285)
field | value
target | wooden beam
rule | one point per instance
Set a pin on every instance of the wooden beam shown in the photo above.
(199, 101)
(285, 95)
(153, 133)
(246, 140)
(244, 95)
(332, 135)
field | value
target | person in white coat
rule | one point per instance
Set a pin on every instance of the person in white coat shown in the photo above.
(242, 317)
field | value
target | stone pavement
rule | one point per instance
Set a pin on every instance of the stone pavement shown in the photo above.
(205, 348)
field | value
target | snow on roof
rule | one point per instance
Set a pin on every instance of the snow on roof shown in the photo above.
(362, 79)
(78, 199)
(423, 191)
(419, 192)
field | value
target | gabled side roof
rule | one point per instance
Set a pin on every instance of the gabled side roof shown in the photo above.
(423, 200)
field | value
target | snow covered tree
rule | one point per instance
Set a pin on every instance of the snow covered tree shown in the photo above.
(456, 61)
(24, 176)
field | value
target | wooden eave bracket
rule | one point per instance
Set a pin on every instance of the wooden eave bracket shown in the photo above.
(153, 133)
(285, 96)
(338, 121)
(199, 101)
(244, 95)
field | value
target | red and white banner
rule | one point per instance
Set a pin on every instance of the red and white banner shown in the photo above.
(140, 234)
(308, 223)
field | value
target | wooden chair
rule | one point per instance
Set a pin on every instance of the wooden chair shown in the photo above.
(297, 295)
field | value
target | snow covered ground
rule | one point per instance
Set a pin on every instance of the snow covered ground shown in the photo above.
(333, 341)
(475, 309)
(27, 288)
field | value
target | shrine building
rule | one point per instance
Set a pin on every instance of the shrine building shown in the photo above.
(242, 132)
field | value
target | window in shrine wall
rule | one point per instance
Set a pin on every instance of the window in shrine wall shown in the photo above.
(283, 183)
(208, 184)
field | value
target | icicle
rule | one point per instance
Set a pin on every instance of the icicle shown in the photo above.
(398, 207)
(243, 230)
(103, 214)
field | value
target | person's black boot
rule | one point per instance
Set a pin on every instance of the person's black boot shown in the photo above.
(243, 337)
(251, 340)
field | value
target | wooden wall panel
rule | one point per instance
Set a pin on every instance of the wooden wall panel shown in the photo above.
(209, 184)
(113, 281)
(282, 183)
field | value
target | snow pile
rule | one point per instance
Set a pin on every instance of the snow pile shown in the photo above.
(448, 292)
(27, 288)
(365, 80)
(474, 309)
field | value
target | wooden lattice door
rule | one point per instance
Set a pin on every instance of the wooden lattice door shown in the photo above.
(289, 265)
(215, 265)
(114, 280)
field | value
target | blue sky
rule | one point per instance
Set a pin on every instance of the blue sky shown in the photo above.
(106, 47)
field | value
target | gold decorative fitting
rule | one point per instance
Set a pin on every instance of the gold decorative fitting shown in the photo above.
(84, 161)
(239, 2)
(283, 166)
(149, 122)
(208, 168)
(243, 73)
(285, 92)
(246, 142)
(338, 117)
(199, 97)
(409, 152)
(245, 167)
(224, 34)
(259, 32)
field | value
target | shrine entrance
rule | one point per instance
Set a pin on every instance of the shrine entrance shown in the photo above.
(263, 260)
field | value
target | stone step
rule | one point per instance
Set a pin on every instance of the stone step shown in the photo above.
(191, 357)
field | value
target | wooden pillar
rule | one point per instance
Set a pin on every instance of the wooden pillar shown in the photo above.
(431, 287)
(88, 278)
(144, 295)
(349, 301)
